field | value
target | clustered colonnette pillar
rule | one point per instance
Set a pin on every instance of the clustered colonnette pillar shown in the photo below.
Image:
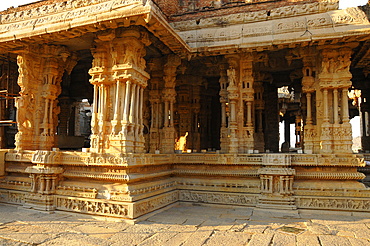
(119, 80)
(238, 130)
(334, 81)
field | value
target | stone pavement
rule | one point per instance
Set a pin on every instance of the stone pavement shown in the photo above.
(187, 225)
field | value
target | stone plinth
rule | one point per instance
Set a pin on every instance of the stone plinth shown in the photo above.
(132, 185)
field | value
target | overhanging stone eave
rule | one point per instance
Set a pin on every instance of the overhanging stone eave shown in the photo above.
(285, 40)
(133, 14)
(159, 26)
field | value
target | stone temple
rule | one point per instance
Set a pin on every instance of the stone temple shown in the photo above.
(123, 107)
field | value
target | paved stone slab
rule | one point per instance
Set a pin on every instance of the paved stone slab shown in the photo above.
(284, 239)
(179, 226)
(331, 240)
(96, 231)
(72, 239)
(199, 237)
(261, 240)
(19, 231)
(225, 238)
(358, 242)
(319, 229)
(136, 234)
(307, 240)
(180, 238)
(159, 238)
(7, 242)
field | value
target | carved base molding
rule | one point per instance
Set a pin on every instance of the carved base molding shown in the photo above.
(13, 197)
(134, 185)
(39, 201)
(276, 202)
(92, 206)
(126, 210)
(334, 203)
(225, 198)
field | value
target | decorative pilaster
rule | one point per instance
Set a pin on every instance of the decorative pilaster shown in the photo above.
(119, 79)
(41, 69)
(277, 177)
(169, 98)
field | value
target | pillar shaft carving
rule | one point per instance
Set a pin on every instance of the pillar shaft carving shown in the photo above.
(246, 110)
(224, 140)
(155, 67)
(233, 95)
(259, 106)
(334, 80)
(119, 80)
(309, 85)
(241, 103)
(169, 99)
(40, 74)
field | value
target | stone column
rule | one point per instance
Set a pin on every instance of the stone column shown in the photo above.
(118, 76)
(41, 69)
(334, 81)
(169, 98)
(259, 106)
(298, 130)
(155, 68)
(246, 122)
(99, 76)
(233, 96)
(308, 88)
(224, 140)
(65, 113)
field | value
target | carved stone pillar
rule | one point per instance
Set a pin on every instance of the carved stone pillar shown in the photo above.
(155, 67)
(119, 78)
(169, 98)
(41, 69)
(246, 109)
(259, 107)
(99, 77)
(311, 143)
(195, 115)
(334, 81)
(233, 95)
(224, 140)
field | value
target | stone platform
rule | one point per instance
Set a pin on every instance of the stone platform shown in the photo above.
(133, 186)
(186, 224)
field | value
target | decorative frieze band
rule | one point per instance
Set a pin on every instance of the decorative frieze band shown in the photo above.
(256, 16)
(218, 198)
(330, 175)
(84, 205)
(351, 204)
